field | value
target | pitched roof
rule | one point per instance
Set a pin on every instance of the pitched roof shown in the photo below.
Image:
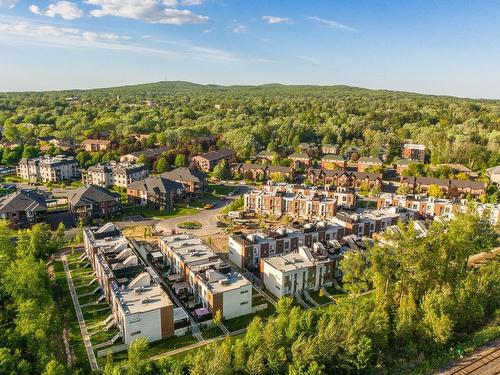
(456, 167)
(96, 141)
(248, 166)
(465, 184)
(91, 194)
(404, 162)
(150, 153)
(299, 155)
(369, 160)
(156, 185)
(279, 169)
(331, 157)
(216, 155)
(185, 174)
(266, 154)
(23, 200)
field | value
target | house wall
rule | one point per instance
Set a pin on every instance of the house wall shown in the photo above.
(237, 302)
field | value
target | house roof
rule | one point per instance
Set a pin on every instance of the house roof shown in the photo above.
(185, 174)
(248, 166)
(216, 155)
(403, 162)
(331, 157)
(465, 184)
(457, 167)
(330, 146)
(369, 160)
(299, 155)
(493, 170)
(156, 185)
(149, 153)
(23, 200)
(414, 146)
(279, 169)
(91, 194)
(96, 141)
(266, 154)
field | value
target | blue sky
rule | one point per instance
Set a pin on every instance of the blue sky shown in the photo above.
(439, 47)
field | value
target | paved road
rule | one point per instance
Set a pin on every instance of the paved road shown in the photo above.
(79, 315)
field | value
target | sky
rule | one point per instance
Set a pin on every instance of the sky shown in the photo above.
(436, 47)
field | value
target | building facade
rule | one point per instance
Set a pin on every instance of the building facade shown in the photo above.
(23, 208)
(155, 192)
(206, 162)
(114, 174)
(94, 202)
(413, 151)
(48, 169)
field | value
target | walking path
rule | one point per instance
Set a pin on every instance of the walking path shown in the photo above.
(483, 361)
(79, 315)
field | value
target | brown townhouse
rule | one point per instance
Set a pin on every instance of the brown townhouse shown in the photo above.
(92, 202)
(330, 149)
(23, 208)
(96, 145)
(300, 160)
(333, 162)
(262, 172)
(344, 178)
(193, 180)
(367, 162)
(413, 151)
(450, 188)
(157, 192)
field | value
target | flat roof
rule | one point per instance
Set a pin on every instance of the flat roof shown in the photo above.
(148, 298)
(289, 262)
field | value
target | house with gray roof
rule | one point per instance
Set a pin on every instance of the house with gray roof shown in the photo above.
(194, 181)
(156, 191)
(93, 202)
(23, 208)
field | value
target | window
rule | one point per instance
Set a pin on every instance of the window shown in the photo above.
(244, 303)
(135, 333)
(244, 291)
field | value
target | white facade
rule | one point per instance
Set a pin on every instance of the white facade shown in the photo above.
(115, 174)
(48, 169)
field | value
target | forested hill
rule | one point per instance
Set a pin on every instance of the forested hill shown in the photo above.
(274, 117)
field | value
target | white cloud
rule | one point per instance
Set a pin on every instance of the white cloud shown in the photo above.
(65, 9)
(206, 31)
(274, 19)
(174, 3)
(332, 24)
(239, 29)
(151, 11)
(8, 3)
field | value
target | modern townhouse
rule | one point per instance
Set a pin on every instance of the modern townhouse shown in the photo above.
(246, 250)
(23, 208)
(114, 174)
(367, 223)
(48, 169)
(304, 204)
(413, 151)
(294, 273)
(205, 277)
(156, 191)
(344, 178)
(139, 305)
(206, 162)
(430, 207)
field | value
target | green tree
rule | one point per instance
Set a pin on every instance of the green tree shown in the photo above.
(435, 191)
(161, 165)
(222, 170)
(180, 160)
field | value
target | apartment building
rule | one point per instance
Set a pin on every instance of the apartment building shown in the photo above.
(300, 160)
(48, 169)
(206, 277)
(307, 269)
(246, 250)
(413, 151)
(262, 172)
(367, 223)
(114, 174)
(304, 204)
(155, 191)
(330, 149)
(430, 207)
(193, 180)
(333, 162)
(139, 305)
(207, 161)
(94, 202)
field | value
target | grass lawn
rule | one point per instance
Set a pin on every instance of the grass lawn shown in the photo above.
(147, 212)
(243, 321)
(315, 295)
(210, 333)
(220, 189)
(68, 312)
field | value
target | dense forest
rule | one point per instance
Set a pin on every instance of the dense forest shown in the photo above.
(254, 118)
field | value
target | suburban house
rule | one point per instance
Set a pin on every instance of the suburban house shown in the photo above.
(265, 156)
(64, 143)
(330, 149)
(457, 168)
(94, 202)
(96, 145)
(207, 161)
(205, 277)
(307, 269)
(48, 169)
(333, 162)
(287, 172)
(450, 188)
(139, 305)
(414, 152)
(194, 181)
(250, 171)
(300, 160)
(150, 154)
(300, 202)
(114, 174)
(23, 208)
(344, 178)
(367, 162)
(246, 250)
(352, 152)
(156, 191)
